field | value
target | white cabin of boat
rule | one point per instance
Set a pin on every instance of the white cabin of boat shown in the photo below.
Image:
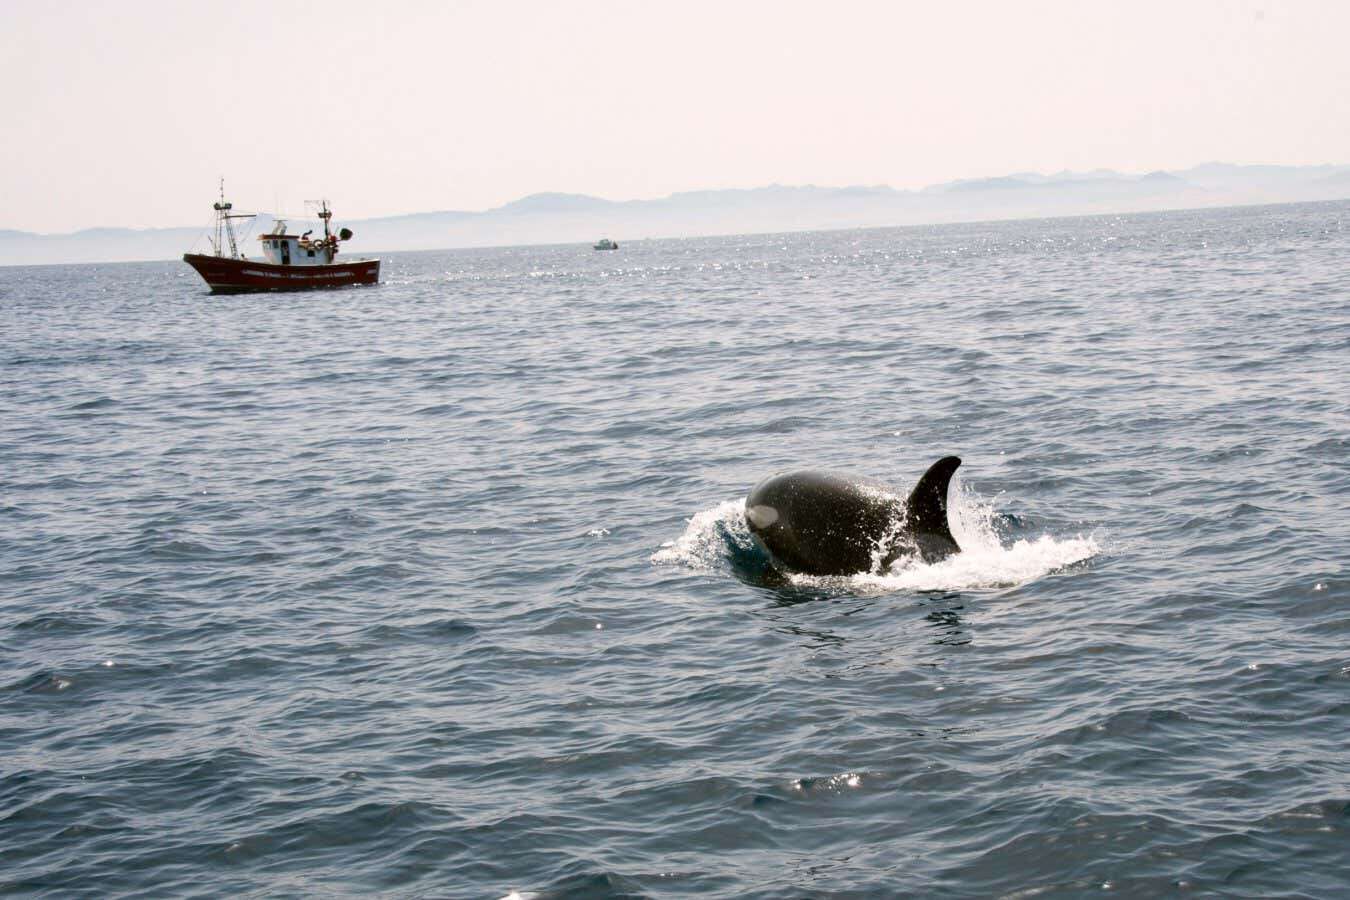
(282, 249)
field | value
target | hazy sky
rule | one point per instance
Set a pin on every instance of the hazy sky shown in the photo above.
(127, 113)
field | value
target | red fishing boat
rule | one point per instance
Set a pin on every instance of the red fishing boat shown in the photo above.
(290, 262)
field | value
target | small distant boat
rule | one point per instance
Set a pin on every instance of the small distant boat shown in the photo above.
(290, 262)
(606, 244)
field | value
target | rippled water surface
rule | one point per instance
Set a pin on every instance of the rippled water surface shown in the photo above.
(443, 587)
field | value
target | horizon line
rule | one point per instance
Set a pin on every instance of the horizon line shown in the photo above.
(727, 234)
(674, 194)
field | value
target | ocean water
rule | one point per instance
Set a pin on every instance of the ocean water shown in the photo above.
(442, 588)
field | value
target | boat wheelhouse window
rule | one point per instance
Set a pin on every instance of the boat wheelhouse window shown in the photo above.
(311, 252)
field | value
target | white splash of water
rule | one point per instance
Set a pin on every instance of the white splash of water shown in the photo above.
(982, 567)
(703, 546)
(984, 560)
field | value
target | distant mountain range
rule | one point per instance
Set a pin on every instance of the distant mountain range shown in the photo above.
(566, 218)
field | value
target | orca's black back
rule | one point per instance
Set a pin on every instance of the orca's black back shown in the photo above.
(824, 523)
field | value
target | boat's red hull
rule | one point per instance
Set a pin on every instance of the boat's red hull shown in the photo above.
(238, 276)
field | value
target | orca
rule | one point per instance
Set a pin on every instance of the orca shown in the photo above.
(825, 523)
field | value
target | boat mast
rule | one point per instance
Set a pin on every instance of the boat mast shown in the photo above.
(223, 224)
(223, 217)
(215, 241)
(325, 213)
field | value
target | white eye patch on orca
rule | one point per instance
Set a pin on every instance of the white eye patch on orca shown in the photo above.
(761, 516)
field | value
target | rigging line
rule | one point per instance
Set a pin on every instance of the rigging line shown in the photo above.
(206, 232)
(247, 232)
(296, 217)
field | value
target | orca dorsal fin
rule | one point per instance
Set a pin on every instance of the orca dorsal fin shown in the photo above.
(927, 506)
